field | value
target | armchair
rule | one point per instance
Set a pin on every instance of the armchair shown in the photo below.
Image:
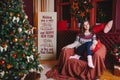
(73, 69)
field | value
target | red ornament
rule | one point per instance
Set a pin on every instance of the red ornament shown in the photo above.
(115, 50)
(14, 55)
(119, 60)
(2, 62)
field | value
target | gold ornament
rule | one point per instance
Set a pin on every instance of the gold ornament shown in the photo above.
(15, 40)
(21, 39)
(28, 37)
(4, 44)
(33, 50)
(18, 15)
(11, 13)
(26, 44)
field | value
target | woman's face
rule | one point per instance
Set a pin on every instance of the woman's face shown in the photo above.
(86, 25)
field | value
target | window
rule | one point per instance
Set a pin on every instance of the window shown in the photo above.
(103, 11)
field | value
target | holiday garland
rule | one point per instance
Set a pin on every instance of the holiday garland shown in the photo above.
(80, 9)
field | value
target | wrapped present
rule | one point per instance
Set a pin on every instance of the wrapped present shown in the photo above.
(117, 70)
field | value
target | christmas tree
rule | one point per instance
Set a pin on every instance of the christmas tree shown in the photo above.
(18, 53)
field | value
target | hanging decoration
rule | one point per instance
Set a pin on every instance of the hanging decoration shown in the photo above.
(80, 9)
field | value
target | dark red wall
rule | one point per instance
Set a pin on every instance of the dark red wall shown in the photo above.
(28, 7)
(118, 15)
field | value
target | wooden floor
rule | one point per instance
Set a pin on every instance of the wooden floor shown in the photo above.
(107, 75)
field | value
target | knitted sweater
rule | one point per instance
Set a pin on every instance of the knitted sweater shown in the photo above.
(81, 39)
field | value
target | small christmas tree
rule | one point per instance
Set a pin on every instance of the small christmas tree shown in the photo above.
(18, 53)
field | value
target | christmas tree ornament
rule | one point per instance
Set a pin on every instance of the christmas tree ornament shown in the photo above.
(32, 30)
(9, 66)
(32, 70)
(18, 14)
(2, 62)
(21, 39)
(1, 74)
(14, 55)
(1, 49)
(33, 50)
(26, 17)
(19, 29)
(32, 57)
(15, 39)
(11, 14)
(4, 44)
(28, 59)
(26, 43)
(82, 14)
(15, 19)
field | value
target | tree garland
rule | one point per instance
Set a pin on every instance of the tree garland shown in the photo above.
(80, 9)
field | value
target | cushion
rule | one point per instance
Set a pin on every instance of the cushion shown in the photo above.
(62, 25)
(97, 46)
(108, 26)
(98, 28)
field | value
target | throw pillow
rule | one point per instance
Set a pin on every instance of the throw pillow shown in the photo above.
(97, 46)
(108, 26)
(62, 25)
(98, 28)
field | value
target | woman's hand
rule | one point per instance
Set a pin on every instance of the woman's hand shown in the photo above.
(65, 47)
(92, 47)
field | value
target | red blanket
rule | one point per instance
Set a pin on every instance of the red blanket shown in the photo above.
(73, 69)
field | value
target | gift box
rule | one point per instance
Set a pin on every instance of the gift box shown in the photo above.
(117, 70)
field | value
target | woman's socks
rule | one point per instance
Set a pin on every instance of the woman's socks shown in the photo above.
(89, 59)
(75, 56)
(90, 62)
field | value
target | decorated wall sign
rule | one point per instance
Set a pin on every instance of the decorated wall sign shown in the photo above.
(47, 24)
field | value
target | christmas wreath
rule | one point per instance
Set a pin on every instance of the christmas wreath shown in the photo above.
(80, 9)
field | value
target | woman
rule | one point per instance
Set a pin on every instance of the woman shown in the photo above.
(85, 42)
